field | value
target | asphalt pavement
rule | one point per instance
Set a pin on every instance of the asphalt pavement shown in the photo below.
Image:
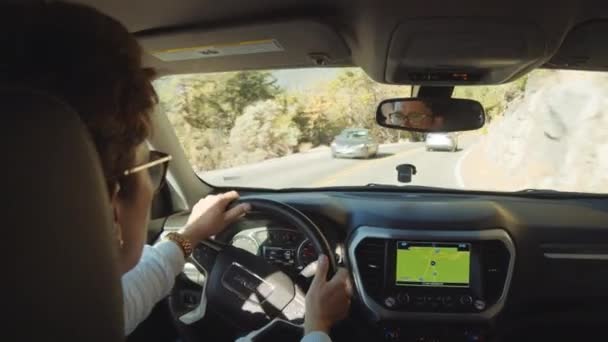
(317, 168)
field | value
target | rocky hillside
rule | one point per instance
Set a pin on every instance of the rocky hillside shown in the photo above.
(554, 135)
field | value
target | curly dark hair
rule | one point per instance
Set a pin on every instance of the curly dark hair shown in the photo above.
(91, 62)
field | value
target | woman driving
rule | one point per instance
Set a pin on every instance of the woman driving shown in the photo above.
(93, 63)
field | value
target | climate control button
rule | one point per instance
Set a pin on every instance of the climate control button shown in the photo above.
(419, 300)
(479, 304)
(403, 299)
(390, 302)
(466, 300)
(447, 300)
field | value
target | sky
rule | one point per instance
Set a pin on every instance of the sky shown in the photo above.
(302, 79)
(294, 79)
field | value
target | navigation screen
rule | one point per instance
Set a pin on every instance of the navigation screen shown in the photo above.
(433, 264)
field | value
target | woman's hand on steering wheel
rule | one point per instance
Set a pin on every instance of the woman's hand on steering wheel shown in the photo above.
(209, 216)
(327, 301)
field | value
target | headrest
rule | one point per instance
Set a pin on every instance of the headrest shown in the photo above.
(62, 283)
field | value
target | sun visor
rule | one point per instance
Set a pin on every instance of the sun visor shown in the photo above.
(297, 43)
(461, 51)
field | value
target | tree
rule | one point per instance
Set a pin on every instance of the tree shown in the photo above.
(265, 130)
(247, 87)
(494, 99)
(203, 109)
(313, 120)
(214, 101)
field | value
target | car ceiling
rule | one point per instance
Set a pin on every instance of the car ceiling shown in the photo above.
(432, 42)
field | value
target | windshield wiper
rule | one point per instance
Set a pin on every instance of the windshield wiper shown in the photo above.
(538, 191)
(406, 186)
(550, 193)
(378, 184)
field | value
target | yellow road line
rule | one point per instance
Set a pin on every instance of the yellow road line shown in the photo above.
(331, 179)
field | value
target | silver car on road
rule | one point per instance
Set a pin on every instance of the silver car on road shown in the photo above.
(354, 143)
(442, 142)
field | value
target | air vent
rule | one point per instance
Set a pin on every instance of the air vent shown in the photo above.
(574, 251)
(495, 259)
(370, 254)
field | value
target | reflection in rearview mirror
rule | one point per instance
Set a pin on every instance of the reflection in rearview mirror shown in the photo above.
(431, 114)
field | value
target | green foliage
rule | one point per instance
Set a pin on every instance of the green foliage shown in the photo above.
(245, 88)
(215, 101)
(494, 98)
(203, 109)
(265, 130)
(313, 119)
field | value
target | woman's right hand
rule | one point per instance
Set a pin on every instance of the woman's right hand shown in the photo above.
(327, 302)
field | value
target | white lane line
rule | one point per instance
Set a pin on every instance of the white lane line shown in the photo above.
(458, 168)
(395, 144)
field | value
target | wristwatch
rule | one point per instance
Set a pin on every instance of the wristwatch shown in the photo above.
(182, 242)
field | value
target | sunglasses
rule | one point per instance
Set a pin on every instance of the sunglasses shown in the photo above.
(157, 169)
(417, 117)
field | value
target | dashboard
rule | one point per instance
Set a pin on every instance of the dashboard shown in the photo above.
(279, 246)
(277, 242)
(467, 265)
(452, 266)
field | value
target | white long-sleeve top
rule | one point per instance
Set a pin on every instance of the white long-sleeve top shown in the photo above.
(152, 279)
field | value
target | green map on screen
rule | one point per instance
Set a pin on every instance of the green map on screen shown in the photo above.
(433, 265)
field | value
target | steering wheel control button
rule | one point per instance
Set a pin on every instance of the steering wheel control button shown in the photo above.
(466, 300)
(295, 310)
(390, 302)
(204, 255)
(190, 299)
(244, 283)
(279, 255)
(479, 304)
(392, 334)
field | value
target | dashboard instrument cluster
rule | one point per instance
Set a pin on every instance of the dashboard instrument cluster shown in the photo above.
(279, 246)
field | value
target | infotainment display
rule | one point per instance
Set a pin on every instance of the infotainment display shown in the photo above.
(433, 264)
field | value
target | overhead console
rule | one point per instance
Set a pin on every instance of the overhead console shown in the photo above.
(463, 51)
(431, 274)
(583, 48)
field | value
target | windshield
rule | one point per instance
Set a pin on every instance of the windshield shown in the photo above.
(316, 128)
(349, 134)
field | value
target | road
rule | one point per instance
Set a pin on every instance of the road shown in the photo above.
(317, 168)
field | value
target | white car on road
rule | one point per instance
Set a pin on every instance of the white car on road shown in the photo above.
(442, 141)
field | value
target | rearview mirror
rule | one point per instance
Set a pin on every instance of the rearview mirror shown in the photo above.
(431, 114)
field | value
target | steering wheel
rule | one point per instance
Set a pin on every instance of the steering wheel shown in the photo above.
(245, 289)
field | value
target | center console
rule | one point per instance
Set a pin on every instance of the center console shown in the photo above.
(432, 275)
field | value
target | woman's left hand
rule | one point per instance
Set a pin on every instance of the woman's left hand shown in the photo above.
(209, 216)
